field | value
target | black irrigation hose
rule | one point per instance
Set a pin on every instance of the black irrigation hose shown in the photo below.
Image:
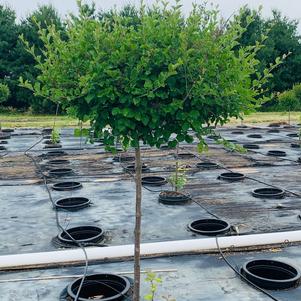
(26, 153)
(242, 276)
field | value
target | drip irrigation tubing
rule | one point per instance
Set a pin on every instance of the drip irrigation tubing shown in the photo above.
(240, 275)
(59, 226)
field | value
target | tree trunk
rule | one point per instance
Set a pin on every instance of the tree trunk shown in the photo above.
(137, 226)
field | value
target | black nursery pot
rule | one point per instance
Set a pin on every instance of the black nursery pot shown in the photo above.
(55, 153)
(232, 176)
(276, 153)
(173, 198)
(4, 142)
(58, 162)
(184, 156)
(271, 274)
(209, 227)
(295, 145)
(256, 136)
(66, 186)
(52, 146)
(207, 165)
(131, 168)
(2, 148)
(153, 181)
(72, 203)
(82, 234)
(105, 287)
(268, 192)
(60, 172)
(237, 132)
(251, 146)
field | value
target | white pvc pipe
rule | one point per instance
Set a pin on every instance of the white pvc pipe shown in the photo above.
(76, 256)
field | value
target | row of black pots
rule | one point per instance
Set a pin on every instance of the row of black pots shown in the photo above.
(264, 273)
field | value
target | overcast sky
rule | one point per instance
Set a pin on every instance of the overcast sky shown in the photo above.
(291, 8)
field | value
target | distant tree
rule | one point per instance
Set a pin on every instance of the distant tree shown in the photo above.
(40, 19)
(282, 38)
(8, 43)
(4, 93)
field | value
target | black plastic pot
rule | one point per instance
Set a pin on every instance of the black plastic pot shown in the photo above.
(271, 274)
(242, 126)
(47, 131)
(232, 140)
(268, 192)
(55, 153)
(251, 146)
(276, 153)
(273, 131)
(209, 227)
(274, 140)
(66, 186)
(104, 287)
(293, 135)
(60, 172)
(207, 165)
(72, 203)
(256, 136)
(4, 142)
(123, 158)
(295, 145)
(153, 181)
(231, 176)
(213, 137)
(52, 146)
(173, 198)
(58, 162)
(2, 147)
(184, 156)
(4, 136)
(82, 234)
(237, 132)
(131, 168)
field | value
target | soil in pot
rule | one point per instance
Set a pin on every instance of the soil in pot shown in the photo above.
(242, 126)
(60, 172)
(255, 136)
(7, 130)
(55, 153)
(207, 165)
(58, 162)
(276, 153)
(154, 181)
(210, 227)
(66, 186)
(295, 145)
(271, 274)
(2, 148)
(173, 198)
(4, 142)
(237, 132)
(231, 176)
(184, 156)
(72, 203)
(274, 125)
(123, 158)
(131, 168)
(82, 234)
(268, 192)
(293, 135)
(105, 287)
(273, 131)
(4, 136)
(251, 146)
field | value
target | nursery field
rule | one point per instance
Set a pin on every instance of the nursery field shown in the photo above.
(251, 201)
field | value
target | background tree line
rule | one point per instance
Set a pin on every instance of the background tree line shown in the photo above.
(15, 61)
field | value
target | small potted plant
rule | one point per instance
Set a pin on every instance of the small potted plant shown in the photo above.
(177, 180)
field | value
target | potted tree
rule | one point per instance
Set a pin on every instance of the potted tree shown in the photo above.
(159, 82)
